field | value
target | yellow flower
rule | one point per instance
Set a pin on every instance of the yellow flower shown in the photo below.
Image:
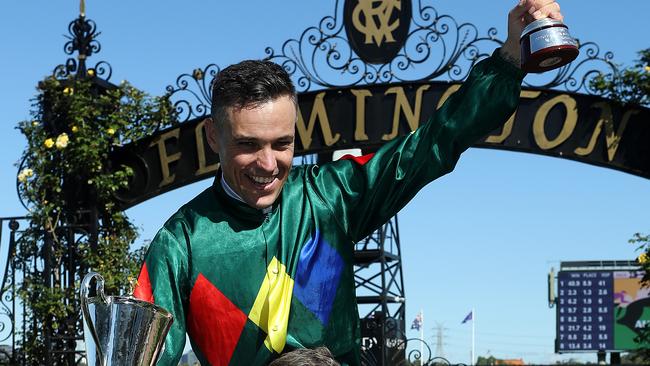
(75, 129)
(643, 258)
(24, 174)
(647, 69)
(34, 123)
(68, 90)
(62, 141)
(110, 131)
(91, 72)
(49, 143)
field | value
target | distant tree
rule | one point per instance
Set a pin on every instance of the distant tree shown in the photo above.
(633, 358)
(631, 85)
(489, 360)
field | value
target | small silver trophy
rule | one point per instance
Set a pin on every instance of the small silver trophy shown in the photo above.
(545, 45)
(121, 330)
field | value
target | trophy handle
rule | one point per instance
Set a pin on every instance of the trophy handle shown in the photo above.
(99, 287)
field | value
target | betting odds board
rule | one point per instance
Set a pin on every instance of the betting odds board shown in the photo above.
(600, 310)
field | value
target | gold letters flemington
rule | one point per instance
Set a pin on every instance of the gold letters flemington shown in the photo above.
(412, 114)
(409, 106)
(166, 159)
(360, 113)
(612, 138)
(318, 113)
(507, 127)
(568, 126)
(200, 151)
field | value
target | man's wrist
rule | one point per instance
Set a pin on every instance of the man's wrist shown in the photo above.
(509, 66)
(511, 54)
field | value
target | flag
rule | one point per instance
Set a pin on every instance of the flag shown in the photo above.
(467, 318)
(417, 322)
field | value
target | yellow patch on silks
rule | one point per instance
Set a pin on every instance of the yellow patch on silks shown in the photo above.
(271, 309)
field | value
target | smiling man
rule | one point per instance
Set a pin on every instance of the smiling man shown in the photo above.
(262, 262)
(252, 131)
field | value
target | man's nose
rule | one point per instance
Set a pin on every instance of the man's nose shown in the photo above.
(266, 159)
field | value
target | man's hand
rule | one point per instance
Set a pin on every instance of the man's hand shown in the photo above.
(522, 14)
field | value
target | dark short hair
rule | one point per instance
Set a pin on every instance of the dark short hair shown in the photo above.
(249, 84)
(320, 356)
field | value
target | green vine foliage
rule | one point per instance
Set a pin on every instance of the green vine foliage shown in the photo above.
(631, 86)
(67, 181)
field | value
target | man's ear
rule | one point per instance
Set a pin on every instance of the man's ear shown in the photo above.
(211, 134)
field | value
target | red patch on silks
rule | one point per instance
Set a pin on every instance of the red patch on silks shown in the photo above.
(361, 160)
(214, 322)
(143, 290)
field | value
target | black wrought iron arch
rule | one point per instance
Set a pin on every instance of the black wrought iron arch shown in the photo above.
(437, 47)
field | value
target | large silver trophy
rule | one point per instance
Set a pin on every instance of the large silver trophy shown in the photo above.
(121, 330)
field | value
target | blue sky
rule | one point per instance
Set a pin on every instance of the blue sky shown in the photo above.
(483, 237)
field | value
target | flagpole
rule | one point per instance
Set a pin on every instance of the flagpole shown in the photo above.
(473, 321)
(421, 336)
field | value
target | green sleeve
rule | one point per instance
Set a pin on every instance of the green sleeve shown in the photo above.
(167, 264)
(364, 196)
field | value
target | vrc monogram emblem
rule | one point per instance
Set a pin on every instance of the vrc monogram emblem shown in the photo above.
(377, 29)
(376, 23)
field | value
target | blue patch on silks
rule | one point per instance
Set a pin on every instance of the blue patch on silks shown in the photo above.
(317, 277)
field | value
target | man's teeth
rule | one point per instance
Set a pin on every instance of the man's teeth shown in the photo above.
(262, 180)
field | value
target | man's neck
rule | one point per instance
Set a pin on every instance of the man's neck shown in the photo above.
(229, 191)
(232, 194)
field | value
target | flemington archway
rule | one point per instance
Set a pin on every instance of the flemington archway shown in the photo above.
(363, 83)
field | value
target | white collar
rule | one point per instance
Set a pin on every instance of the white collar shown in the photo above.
(231, 193)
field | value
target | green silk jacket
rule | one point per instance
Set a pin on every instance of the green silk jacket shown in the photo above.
(247, 286)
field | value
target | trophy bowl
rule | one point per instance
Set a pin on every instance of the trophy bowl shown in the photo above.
(545, 45)
(121, 330)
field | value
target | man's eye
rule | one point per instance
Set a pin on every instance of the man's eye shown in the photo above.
(284, 143)
(246, 143)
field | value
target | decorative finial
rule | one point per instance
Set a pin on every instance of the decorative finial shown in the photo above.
(82, 39)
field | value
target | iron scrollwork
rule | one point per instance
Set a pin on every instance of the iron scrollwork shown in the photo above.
(322, 56)
(192, 93)
(414, 351)
(436, 47)
(10, 305)
(82, 39)
(23, 255)
(577, 75)
(7, 296)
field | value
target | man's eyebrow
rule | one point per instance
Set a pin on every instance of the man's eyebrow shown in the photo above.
(243, 138)
(239, 138)
(287, 137)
